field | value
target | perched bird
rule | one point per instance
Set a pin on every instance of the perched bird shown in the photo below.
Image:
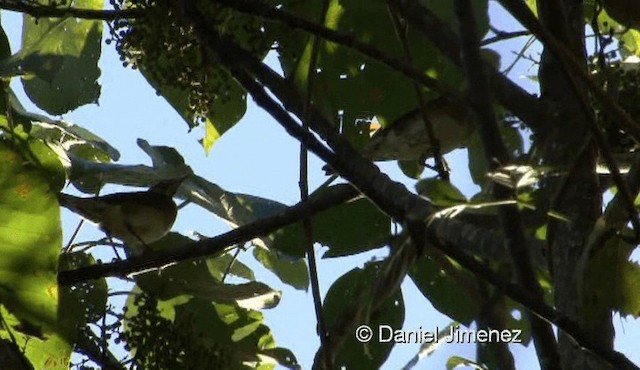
(406, 138)
(136, 218)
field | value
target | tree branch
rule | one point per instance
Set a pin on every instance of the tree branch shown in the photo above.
(533, 304)
(496, 155)
(212, 246)
(44, 11)
(274, 14)
(535, 113)
(514, 291)
(304, 186)
(524, 15)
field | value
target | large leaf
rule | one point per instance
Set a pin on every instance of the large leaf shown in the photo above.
(60, 59)
(366, 354)
(354, 85)
(83, 302)
(440, 192)
(30, 239)
(478, 164)
(347, 229)
(166, 49)
(451, 289)
(612, 279)
(194, 278)
(292, 271)
(5, 48)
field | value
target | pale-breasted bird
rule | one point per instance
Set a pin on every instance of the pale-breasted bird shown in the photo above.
(136, 218)
(406, 138)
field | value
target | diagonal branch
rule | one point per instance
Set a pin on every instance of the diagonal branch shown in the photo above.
(524, 105)
(212, 246)
(44, 11)
(405, 207)
(514, 291)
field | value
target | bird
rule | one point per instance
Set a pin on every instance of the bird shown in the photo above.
(406, 137)
(136, 218)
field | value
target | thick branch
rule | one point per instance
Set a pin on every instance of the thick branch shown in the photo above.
(514, 291)
(524, 105)
(274, 14)
(44, 11)
(533, 304)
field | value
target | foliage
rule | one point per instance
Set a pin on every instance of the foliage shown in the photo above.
(493, 259)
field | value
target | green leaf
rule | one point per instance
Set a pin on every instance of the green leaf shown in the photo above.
(67, 136)
(5, 47)
(342, 296)
(412, 169)
(225, 109)
(347, 229)
(351, 83)
(185, 334)
(44, 349)
(611, 279)
(30, 239)
(219, 265)
(193, 278)
(89, 177)
(292, 271)
(455, 361)
(441, 192)
(451, 289)
(162, 156)
(629, 37)
(61, 56)
(477, 162)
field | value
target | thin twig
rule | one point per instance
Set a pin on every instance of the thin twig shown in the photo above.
(496, 154)
(307, 226)
(502, 36)
(434, 142)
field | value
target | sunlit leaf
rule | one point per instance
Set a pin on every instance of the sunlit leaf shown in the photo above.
(30, 239)
(440, 192)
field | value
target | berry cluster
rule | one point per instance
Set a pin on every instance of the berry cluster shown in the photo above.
(164, 45)
(162, 344)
